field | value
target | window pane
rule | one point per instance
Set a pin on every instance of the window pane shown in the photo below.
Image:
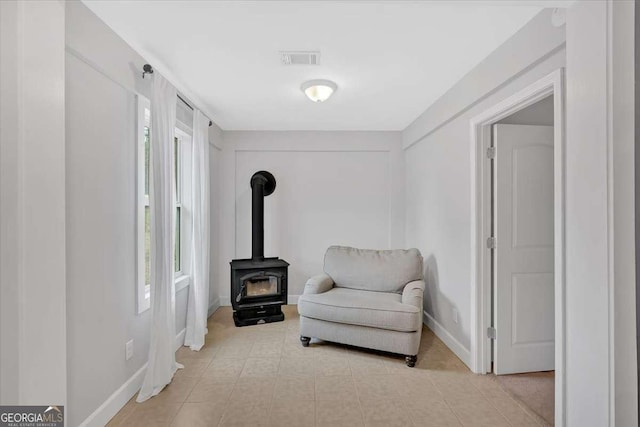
(177, 255)
(147, 150)
(147, 245)
(176, 166)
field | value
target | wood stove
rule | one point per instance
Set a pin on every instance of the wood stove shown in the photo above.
(259, 284)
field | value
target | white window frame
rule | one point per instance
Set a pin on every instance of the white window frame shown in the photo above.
(182, 277)
(178, 138)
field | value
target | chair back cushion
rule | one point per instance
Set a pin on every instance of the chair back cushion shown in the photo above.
(372, 270)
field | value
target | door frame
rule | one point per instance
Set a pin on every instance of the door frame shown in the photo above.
(480, 351)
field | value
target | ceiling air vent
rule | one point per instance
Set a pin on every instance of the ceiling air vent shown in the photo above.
(300, 58)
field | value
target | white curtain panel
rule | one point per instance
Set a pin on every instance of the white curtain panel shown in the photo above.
(162, 359)
(198, 305)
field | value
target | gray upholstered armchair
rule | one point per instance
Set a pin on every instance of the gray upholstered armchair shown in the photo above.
(366, 298)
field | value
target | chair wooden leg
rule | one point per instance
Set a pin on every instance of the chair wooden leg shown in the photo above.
(305, 341)
(411, 361)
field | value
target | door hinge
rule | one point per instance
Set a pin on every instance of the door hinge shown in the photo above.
(491, 333)
(491, 243)
(491, 152)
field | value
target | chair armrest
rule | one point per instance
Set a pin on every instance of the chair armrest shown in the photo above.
(412, 293)
(318, 284)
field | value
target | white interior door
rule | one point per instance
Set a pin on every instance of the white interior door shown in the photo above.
(523, 262)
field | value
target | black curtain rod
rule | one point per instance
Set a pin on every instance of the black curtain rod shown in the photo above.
(148, 69)
(185, 102)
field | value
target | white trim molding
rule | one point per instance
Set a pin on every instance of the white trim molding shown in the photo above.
(450, 341)
(480, 352)
(180, 338)
(33, 256)
(215, 304)
(182, 282)
(293, 299)
(114, 403)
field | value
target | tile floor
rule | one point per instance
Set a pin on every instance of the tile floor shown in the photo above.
(262, 376)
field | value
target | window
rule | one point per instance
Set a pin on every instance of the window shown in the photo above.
(182, 150)
(178, 205)
(143, 235)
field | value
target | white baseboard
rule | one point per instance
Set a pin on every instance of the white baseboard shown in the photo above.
(213, 307)
(101, 416)
(180, 338)
(449, 340)
(293, 299)
(225, 300)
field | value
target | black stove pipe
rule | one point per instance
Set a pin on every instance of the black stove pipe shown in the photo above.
(262, 185)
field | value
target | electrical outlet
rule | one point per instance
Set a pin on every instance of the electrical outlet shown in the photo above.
(455, 315)
(128, 350)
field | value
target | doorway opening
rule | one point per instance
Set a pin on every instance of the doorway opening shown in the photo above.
(517, 283)
(521, 162)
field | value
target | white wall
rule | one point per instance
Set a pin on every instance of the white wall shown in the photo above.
(32, 196)
(438, 182)
(215, 194)
(601, 370)
(332, 188)
(601, 383)
(101, 232)
(533, 43)
(102, 78)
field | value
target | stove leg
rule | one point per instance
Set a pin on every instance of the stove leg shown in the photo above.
(305, 341)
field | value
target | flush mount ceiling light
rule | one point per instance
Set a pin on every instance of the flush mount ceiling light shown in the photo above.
(319, 90)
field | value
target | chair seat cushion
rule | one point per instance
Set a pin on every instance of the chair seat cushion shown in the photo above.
(364, 308)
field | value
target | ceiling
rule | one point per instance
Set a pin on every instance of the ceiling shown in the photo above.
(390, 59)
